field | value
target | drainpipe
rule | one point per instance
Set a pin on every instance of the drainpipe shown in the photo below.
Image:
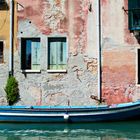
(98, 33)
(11, 71)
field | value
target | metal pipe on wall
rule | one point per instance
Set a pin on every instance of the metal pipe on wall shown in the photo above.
(98, 32)
(11, 38)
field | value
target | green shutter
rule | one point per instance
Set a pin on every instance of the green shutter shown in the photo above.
(64, 55)
(130, 20)
(61, 55)
(134, 14)
(65, 51)
(53, 57)
(57, 49)
(133, 4)
(35, 55)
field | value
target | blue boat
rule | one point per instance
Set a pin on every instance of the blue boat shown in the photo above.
(70, 114)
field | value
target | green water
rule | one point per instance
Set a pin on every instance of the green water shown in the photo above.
(88, 131)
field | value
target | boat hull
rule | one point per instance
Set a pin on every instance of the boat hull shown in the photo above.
(36, 114)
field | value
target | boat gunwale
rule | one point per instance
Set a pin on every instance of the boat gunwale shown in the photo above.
(67, 109)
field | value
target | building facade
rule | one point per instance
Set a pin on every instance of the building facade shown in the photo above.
(5, 45)
(77, 52)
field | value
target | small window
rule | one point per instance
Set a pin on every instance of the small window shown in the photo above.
(1, 51)
(3, 5)
(134, 14)
(30, 53)
(57, 53)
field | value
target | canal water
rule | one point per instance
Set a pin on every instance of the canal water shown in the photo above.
(88, 131)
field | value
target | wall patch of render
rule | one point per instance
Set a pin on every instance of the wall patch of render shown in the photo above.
(80, 81)
(118, 74)
(54, 14)
(119, 64)
(118, 80)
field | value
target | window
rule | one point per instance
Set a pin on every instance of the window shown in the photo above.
(57, 53)
(1, 51)
(3, 5)
(138, 66)
(134, 14)
(30, 54)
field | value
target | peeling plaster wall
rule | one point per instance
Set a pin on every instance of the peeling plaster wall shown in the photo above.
(73, 19)
(119, 53)
(70, 18)
(4, 36)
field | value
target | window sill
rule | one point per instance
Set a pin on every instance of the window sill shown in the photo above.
(138, 84)
(30, 71)
(2, 63)
(56, 71)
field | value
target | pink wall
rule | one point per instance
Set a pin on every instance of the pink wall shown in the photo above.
(119, 53)
(35, 11)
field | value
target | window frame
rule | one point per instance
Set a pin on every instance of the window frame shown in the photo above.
(57, 70)
(28, 70)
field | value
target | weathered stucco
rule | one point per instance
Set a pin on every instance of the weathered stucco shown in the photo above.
(74, 19)
(119, 54)
(77, 20)
(4, 36)
(68, 18)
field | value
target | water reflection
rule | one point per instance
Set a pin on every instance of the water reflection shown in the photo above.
(94, 131)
